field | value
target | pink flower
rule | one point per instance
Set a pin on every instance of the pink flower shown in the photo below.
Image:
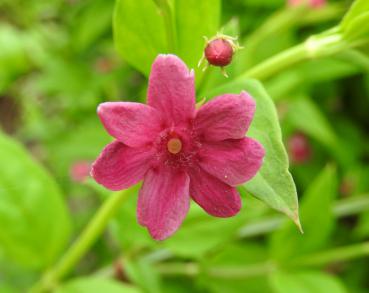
(311, 3)
(177, 150)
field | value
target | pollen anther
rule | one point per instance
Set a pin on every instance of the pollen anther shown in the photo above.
(174, 145)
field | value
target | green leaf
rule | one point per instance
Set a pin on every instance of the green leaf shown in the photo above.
(357, 8)
(139, 33)
(358, 27)
(141, 272)
(30, 234)
(306, 282)
(13, 58)
(195, 19)
(316, 218)
(88, 28)
(199, 230)
(273, 184)
(249, 258)
(126, 229)
(305, 115)
(95, 284)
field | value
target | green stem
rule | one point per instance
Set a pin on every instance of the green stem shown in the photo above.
(342, 208)
(240, 272)
(315, 47)
(332, 256)
(283, 20)
(83, 243)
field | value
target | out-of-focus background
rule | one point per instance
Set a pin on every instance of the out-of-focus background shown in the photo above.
(58, 61)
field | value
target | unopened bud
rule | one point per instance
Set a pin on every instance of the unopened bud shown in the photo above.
(219, 51)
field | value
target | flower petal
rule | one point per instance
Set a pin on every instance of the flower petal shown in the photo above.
(163, 201)
(232, 161)
(225, 117)
(172, 89)
(120, 166)
(214, 196)
(134, 124)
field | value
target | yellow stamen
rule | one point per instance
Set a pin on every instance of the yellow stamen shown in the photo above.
(174, 145)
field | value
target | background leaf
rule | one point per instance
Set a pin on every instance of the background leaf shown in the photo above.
(195, 19)
(357, 8)
(358, 27)
(139, 32)
(200, 230)
(96, 284)
(306, 282)
(316, 218)
(30, 234)
(306, 116)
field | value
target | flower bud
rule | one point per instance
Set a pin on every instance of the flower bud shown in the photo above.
(219, 51)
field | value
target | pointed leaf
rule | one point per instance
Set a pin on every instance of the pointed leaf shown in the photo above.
(273, 184)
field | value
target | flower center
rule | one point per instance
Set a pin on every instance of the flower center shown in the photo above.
(174, 145)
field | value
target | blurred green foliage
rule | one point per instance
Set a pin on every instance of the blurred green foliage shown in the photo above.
(60, 58)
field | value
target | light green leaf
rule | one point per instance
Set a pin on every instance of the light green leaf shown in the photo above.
(95, 284)
(357, 8)
(306, 282)
(195, 19)
(139, 33)
(358, 27)
(31, 234)
(273, 184)
(316, 218)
